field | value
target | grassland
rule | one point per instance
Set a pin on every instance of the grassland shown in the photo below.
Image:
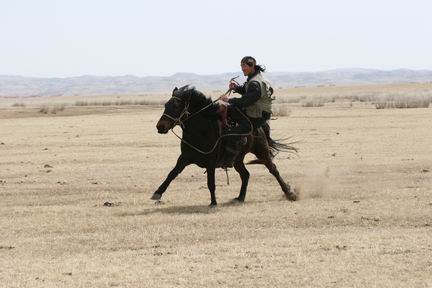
(75, 208)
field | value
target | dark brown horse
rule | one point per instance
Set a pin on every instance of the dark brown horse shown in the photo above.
(201, 145)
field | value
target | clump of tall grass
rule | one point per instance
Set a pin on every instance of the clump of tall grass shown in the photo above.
(313, 103)
(18, 105)
(289, 99)
(399, 101)
(45, 109)
(120, 103)
(281, 110)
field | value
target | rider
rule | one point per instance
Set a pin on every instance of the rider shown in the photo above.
(255, 102)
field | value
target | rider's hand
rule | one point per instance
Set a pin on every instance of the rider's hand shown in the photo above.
(224, 98)
(233, 85)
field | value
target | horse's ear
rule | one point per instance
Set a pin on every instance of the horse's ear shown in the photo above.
(183, 88)
(175, 90)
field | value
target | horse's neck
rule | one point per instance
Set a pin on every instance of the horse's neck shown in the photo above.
(200, 128)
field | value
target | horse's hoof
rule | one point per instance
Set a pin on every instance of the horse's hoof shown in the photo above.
(237, 200)
(156, 196)
(213, 205)
(291, 196)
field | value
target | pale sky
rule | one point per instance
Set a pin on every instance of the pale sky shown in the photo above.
(59, 38)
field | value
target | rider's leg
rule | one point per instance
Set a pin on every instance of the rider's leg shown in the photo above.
(233, 145)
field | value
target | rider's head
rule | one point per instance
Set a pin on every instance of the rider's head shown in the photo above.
(249, 66)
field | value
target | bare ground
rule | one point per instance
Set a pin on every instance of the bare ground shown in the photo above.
(364, 218)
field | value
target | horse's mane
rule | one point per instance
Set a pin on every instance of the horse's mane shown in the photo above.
(197, 99)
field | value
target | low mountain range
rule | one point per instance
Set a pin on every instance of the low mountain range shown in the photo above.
(18, 86)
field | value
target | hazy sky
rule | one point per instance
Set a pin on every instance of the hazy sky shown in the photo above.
(59, 38)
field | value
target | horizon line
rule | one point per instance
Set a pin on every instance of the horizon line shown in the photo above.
(212, 74)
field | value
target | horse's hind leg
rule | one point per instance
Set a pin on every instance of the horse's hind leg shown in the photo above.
(290, 195)
(244, 175)
(180, 165)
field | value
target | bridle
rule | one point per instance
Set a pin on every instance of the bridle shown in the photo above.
(185, 112)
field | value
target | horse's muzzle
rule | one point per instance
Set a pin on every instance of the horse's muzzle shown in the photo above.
(162, 127)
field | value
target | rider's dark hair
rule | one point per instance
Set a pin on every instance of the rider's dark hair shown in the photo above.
(260, 68)
(250, 61)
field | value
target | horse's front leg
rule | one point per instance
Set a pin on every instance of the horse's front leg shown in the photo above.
(180, 165)
(211, 185)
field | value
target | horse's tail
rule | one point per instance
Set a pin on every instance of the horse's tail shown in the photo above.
(276, 146)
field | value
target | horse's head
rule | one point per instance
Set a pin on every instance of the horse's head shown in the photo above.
(175, 109)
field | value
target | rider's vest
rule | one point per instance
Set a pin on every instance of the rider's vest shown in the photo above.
(264, 102)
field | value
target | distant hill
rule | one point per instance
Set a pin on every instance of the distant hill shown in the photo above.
(100, 85)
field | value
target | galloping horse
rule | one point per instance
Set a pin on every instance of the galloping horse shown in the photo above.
(201, 145)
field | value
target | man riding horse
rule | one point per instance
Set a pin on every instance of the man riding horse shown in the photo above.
(198, 117)
(255, 102)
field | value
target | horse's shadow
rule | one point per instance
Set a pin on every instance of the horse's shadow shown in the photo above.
(189, 209)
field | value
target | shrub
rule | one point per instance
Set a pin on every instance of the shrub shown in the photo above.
(313, 103)
(281, 111)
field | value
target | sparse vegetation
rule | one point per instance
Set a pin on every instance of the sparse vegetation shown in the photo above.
(403, 101)
(313, 103)
(289, 99)
(18, 105)
(120, 103)
(281, 110)
(45, 109)
(93, 206)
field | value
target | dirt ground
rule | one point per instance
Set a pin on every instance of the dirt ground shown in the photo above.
(364, 218)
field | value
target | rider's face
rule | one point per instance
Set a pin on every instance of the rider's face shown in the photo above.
(247, 70)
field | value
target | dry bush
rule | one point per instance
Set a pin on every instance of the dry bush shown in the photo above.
(45, 109)
(150, 102)
(105, 103)
(81, 103)
(313, 103)
(289, 99)
(58, 108)
(123, 102)
(401, 101)
(18, 105)
(364, 97)
(281, 111)
(120, 103)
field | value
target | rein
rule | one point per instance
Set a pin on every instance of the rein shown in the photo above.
(185, 111)
(218, 140)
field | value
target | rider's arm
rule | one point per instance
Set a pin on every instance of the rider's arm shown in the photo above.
(240, 90)
(252, 95)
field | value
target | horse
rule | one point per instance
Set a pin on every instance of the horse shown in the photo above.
(200, 143)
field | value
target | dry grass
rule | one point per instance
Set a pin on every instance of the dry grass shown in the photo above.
(53, 109)
(18, 104)
(121, 103)
(403, 101)
(397, 95)
(313, 103)
(281, 110)
(364, 219)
